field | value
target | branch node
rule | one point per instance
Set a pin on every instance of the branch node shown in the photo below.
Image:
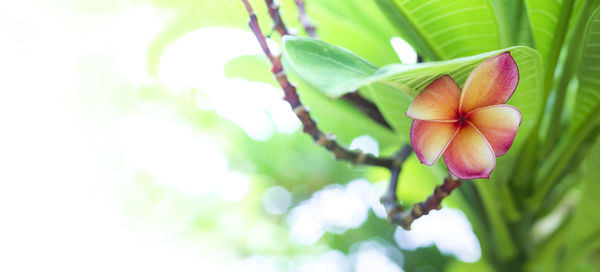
(361, 157)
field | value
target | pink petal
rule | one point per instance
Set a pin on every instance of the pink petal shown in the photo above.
(430, 139)
(498, 124)
(492, 82)
(469, 155)
(438, 101)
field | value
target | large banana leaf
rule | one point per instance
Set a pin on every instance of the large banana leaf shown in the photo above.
(445, 29)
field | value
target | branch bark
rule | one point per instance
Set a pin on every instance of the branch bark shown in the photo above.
(404, 218)
(278, 24)
(303, 18)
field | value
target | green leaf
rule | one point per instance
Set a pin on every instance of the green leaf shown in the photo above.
(586, 111)
(251, 68)
(445, 29)
(587, 103)
(544, 16)
(326, 67)
(513, 23)
(584, 229)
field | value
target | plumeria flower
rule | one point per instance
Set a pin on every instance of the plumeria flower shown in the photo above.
(470, 127)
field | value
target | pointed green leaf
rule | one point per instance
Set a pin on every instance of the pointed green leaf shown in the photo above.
(445, 29)
(326, 67)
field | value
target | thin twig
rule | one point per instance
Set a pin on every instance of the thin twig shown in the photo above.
(390, 199)
(404, 218)
(278, 24)
(303, 18)
(367, 107)
(308, 124)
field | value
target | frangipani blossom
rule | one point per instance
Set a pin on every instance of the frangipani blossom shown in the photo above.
(470, 127)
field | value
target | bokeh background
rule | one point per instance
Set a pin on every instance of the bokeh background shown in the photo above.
(118, 156)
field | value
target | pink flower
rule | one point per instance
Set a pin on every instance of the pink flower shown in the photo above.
(470, 127)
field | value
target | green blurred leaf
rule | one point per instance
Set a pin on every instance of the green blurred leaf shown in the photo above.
(513, 23)
(252, 68)
(544, 16)
(584, 232)
(445, 29)
(326, 67)
(585, 115)
(587, 103)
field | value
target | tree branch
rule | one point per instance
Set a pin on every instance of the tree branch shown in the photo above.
(309, 126)
(278, 24)
(390, 199)
(397, 214)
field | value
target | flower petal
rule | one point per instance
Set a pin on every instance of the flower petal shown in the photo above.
(492, 82)
(498, 124)
(438, 101)
(430, 139)
(469, 155)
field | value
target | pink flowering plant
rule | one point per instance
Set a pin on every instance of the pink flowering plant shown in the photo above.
(469, 127)
(508, 94)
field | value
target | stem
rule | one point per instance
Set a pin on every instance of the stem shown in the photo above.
(397, 214)
(309, 126)
(570, 68)
(308, 26)
(367, 107)
(276, 16)
(390, 199)
(562, 157)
